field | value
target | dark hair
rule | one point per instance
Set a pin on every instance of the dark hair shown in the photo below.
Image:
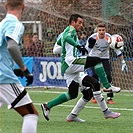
(101, 25)
(74, 17)
(34, 34)
(84, 33)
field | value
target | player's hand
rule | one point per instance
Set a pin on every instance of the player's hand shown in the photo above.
(124, 66)
(28, 76)
(82, 49)
(18, 72)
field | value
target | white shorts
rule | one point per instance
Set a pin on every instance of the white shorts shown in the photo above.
(14, 95)
(72, 73)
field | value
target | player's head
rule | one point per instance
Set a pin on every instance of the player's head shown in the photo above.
(76, 21)
(101, 30)
(13, 5)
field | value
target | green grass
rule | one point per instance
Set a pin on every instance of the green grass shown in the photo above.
(11, 122)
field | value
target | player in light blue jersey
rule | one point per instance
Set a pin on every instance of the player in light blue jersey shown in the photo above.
(12, 92)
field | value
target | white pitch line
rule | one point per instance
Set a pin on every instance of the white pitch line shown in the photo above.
(58, 92)
(91, 107)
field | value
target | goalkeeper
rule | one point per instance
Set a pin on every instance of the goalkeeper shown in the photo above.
(72, 65)
(101, 49)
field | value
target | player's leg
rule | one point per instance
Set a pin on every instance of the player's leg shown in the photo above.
(94, 75)
(106, 65)
(98, 96)
(30, 117)
(87, 95)
(99, 69)
(16, 97)
(71, 76)
(72, 93)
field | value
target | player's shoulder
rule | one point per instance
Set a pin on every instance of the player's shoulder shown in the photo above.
(107, 35)
(12, 20)
(70, 29)
(93, 35)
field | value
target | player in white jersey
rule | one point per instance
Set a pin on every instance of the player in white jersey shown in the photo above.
(72, 65)
(101, 50)
(12, 92)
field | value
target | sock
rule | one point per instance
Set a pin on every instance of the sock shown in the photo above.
(58, 100)
(30, 123)
(99, 69)
(79, 106)
(100, 100)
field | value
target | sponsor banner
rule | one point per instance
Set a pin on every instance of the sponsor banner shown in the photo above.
(47, 72)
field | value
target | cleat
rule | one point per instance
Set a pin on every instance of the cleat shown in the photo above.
(110, 114)
(112, 89)
(46, 111)
(94, 100)
(110, 101)
(74, 118)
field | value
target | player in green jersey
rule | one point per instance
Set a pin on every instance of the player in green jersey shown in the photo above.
(72, 65)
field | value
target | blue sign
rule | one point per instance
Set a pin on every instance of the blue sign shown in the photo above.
(47, 72)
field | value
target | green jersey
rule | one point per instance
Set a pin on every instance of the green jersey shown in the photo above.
(68, 42)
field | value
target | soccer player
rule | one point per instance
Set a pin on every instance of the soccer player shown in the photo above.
(12, 92)
(72, 65)
(101, 49)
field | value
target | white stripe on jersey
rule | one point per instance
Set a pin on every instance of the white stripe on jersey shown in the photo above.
(17, 30)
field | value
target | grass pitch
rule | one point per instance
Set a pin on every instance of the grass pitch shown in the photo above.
(11, 122)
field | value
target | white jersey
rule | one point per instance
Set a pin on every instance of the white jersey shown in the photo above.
(10, 27)
(101, 48)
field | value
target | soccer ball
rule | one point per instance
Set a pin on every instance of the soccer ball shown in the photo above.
(116, 41)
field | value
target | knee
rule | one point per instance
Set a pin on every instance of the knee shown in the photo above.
(73, 89)
(91, 82)
(87, 94)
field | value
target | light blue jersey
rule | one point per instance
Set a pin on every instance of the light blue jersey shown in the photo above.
(10, 27)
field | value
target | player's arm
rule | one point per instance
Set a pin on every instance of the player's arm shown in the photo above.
(123, 63)
(15, 53)
(91, 41)
(57, 49)
(71, 41)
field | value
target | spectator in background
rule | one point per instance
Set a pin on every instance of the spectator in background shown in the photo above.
(83, 39)
(49, 42)
(35, 48)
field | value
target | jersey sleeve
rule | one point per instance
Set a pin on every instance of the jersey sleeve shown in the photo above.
(90, 46)
(70, 36)
(15, 31)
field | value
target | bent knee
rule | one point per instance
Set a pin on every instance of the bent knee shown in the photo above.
(27, 109)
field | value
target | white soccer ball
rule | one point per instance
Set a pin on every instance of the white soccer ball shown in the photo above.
(116, 41)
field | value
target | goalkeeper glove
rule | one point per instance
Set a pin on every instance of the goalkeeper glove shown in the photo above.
(28, 76)
(124, 66)
(82, 49)
(18, 72)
